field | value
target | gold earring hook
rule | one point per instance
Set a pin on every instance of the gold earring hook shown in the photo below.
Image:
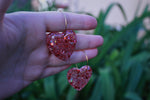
(66, 23)
(76, 66)
(86, 57)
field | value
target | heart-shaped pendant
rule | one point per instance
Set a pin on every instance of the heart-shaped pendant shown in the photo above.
(78, 78)
(62, 44)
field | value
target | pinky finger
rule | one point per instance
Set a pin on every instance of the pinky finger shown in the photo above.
(48, 71)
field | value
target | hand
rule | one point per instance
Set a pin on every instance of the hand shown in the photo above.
(24, 56)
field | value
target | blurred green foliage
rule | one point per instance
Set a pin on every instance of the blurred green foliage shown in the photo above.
(20, 5)
(121, 71)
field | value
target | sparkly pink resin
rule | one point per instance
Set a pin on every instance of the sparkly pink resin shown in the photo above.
(78, 78)
(61, 44)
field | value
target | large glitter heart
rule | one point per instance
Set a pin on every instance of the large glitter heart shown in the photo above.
(78, 78)
(62, 44)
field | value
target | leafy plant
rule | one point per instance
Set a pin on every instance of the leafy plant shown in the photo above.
(20, 5)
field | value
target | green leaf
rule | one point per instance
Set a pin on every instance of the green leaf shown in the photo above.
(87, 89)
(116, 77)
(146, 9)
(114, 54)
(130, 44)
(138, 8)
(102, 17)
(107, 85)
(135, 76)
(110, 8)
(96, 94)
(118, 36)
(136, 58)
(141, 57)
(71, 94)
(100, 25)
(62, 81)
(132, 96)
(49, 87)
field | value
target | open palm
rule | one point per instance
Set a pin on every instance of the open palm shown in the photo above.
(24, 56)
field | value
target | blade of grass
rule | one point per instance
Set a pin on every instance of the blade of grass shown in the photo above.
(118, 36)
(96, 94)
(107, 85)
(87, 90)
(110, 8)
(100, 25)
(138, 8)
(134, 77)
(132, 96)
(49, 86)
(146, 8)
(71, 94)
(62, 82)
(103, 15)
(129, 48)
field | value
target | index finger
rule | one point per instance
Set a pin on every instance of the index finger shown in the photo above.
(55, 21)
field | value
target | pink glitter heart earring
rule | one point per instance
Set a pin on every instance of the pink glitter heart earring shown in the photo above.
(62, 44)
(78, 78)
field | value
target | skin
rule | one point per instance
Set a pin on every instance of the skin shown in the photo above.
(24, 56)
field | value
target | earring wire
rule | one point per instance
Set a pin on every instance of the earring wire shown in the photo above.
(66, 23)
(86, 57)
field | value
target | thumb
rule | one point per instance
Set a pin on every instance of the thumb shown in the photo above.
(4, 4)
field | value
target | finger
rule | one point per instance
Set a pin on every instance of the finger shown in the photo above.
(54, 21)
(74, 21)
(3, 7)
(88, 41)
(48, 71)
(76, 57)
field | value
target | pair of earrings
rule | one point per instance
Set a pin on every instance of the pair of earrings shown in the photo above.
(62, 45)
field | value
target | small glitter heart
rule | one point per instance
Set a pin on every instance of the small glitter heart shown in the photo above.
(78, 78)
(61, 44)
